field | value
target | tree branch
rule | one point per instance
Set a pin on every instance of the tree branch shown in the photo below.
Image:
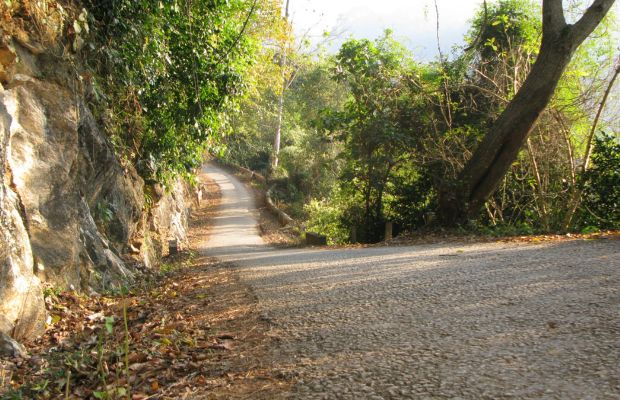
(590, 19)
(241, 33)
(553, 16)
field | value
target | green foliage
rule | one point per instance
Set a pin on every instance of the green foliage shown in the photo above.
(375, 136)
(590, 229)
(375, 139)
(172, 70)
(504, 26)
(308, 166)
(309, 152)
(103, 212)
(601, 184)
(109, 324)
(413, 197)
(51, 292)
(326, 218)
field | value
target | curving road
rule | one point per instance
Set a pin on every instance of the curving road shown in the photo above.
(444, 321)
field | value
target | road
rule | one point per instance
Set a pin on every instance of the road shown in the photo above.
(443, 321)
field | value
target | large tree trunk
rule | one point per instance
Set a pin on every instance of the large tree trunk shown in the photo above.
(484, 171)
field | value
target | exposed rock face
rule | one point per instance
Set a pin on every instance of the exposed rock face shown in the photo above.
(42, 156)
(102, 266)
(61, 163)
(166, 220)
(105, 183)
(70, 212)
(22, 310)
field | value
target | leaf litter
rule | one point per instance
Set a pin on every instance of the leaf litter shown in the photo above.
(192, 333)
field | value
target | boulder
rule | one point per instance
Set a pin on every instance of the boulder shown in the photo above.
(10, 348)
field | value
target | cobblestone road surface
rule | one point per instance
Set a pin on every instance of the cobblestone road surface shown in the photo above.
(445, 321)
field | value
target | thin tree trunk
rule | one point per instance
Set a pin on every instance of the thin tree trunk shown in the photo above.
(569, 148)
(578, 192)
(544, 214)
(276, 142)
(380, 190)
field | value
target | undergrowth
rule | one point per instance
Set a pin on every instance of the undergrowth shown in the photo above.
(89, 349)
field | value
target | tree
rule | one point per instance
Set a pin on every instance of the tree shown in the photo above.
(375, 142)
(499, 148)
(171, 74)
(285, 83)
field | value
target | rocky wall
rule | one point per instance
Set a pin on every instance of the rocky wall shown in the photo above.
(71, 213)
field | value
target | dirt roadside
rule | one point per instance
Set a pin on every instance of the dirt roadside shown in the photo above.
(189, 332)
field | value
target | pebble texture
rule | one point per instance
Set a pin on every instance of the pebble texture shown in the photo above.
(475, 321)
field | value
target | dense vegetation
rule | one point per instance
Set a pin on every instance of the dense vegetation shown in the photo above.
(385, 132)
(163, 77)
(369, 134)
(174, 73)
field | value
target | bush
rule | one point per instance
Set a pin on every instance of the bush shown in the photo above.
(601, 186)
(325, 218)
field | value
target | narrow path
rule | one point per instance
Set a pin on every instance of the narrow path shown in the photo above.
(235, 227)
(471, 321)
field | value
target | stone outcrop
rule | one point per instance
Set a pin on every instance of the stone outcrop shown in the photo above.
(166, 220)
(9, 347)
(71, 213)
(21, 301)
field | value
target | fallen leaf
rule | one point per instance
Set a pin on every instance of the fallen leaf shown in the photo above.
(136, 357)
(225, 345)
(98, 316)
(137, 366)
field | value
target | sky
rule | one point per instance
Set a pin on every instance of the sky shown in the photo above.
(413, 21)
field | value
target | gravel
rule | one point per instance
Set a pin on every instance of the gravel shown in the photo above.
(471, 321)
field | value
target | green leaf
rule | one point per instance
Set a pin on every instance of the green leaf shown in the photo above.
(109, 324)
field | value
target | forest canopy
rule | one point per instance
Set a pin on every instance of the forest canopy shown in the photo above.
(369, 134)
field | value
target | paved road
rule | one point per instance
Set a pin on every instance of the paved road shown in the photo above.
(445, 321)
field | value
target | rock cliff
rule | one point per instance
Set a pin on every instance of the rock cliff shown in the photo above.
(71, 213)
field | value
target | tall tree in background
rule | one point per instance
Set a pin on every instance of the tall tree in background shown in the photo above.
(500, 146)
(375, 142)
(285, 83)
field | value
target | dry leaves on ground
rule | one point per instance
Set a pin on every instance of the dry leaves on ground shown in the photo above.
(192, 333)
